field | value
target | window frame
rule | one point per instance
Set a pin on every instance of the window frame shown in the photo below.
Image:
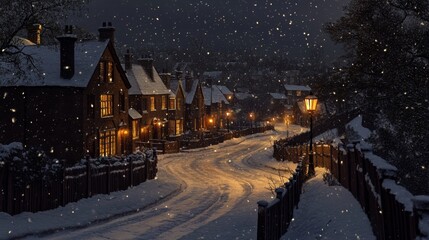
(152, 104)
(106, 105)
(107, 143)
(163, 102)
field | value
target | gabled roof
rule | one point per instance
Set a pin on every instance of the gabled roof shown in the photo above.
(47, 61)
(190, 95)
(297, 88)
(279, 96)
(213, 95)
(175, 86)
(143, 84)
(224, 89)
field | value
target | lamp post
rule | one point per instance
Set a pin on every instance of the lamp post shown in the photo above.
(227, 121)
(251, 120)
(310, 106)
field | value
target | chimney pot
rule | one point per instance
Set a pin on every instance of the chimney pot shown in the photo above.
(33, 33)
(67, 42)
(107, 32)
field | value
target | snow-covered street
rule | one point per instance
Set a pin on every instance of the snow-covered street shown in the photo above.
(206, 193)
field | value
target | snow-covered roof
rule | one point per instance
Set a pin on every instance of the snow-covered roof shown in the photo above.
(47, 61)
(174, 85)
(297, 87)
(242, 96)
(190, 95)
(142, 83)
(225, 90)
(134, 114)
(213, 74)
(279, 96)
(213, 95)
(19, 41)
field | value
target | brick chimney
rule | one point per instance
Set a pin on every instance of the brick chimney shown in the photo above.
(127, 59)
(33, 33)
(165, 77)
(67, 42)
(107, 31)
(188, 82)
(147, 63)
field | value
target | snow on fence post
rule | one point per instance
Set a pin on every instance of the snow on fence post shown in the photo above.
(262, 213)
(131, 172)
(64, 185)
(109, 177)
(9, 189)
(421, 210)
(88, 177)
(281, 220)
(289, 206)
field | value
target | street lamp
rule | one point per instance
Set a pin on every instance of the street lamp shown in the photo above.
(251, 120)
(310, 106)
(227, 121)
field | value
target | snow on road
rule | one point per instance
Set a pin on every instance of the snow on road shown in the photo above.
(208, 193)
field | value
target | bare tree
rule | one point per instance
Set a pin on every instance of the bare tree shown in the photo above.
(17, 16)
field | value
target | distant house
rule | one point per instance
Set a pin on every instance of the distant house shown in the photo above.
(278, 104)
(149, 97)
(176, 107)
(215, 103)
(194, 98)
(226, 92)
(76, 106)
(295, 93)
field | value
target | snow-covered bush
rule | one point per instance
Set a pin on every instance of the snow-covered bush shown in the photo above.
(28, 165)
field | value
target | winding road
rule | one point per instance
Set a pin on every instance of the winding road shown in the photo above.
(220, 186)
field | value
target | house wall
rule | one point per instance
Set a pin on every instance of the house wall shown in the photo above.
(47, 118)
(95, 123)
(151, 129)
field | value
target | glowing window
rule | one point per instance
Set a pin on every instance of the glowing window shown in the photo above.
(106, 105)
(107, 143)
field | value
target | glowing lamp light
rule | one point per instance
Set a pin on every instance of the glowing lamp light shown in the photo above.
(211, 120)
(311, 103)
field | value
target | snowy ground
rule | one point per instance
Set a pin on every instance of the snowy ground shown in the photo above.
(208, 193)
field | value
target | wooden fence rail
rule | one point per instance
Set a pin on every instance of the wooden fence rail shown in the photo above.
(394, 213)
(76, 183)
(275, 217)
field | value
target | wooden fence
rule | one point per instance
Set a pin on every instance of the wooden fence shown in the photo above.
(391, 209)
(274, 217)
(76, 183)
(214, 139)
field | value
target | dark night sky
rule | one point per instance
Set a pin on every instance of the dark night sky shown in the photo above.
(269, 27)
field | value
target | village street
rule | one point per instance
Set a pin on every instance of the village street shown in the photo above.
(220, 186)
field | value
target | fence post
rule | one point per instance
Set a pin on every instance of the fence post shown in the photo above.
(421, 210)
(88, 177)
(64, 186)
(281, 226)
(9, 190)
(261, 228)
(131, 172)
(108, 178)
